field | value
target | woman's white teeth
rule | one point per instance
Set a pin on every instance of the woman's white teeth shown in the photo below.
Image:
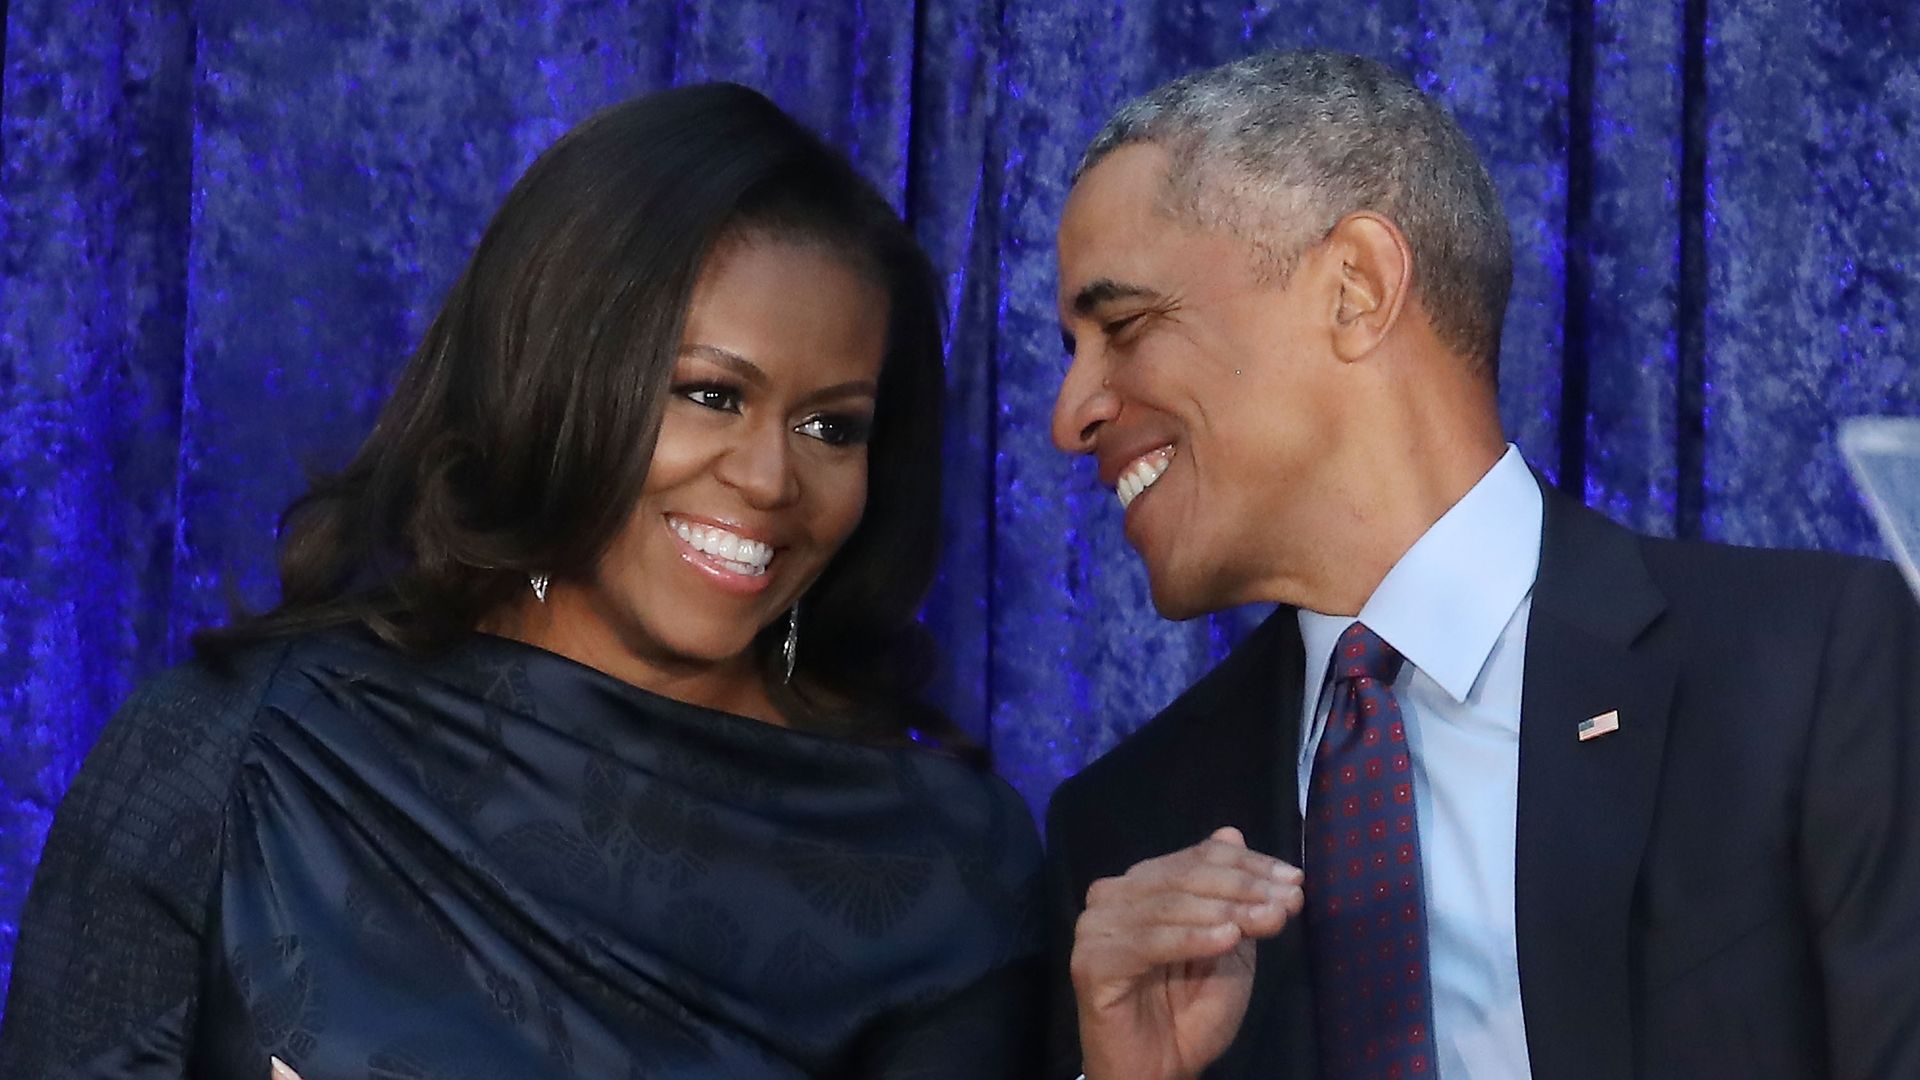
(731, 551)
(1141, 475)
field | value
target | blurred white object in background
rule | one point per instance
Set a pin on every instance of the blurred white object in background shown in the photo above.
(1883, 453)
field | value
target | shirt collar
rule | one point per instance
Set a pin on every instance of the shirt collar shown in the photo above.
(1444, 605)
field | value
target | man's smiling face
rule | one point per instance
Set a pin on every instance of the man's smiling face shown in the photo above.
(1203, 389)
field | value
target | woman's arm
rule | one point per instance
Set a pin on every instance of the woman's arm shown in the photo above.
(109, 951)
(990, 1028)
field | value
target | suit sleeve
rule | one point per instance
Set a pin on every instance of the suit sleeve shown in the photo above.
(1860, 832)
(1064, 902)
(105, 979)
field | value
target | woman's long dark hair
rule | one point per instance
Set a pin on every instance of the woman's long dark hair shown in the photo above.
(519, 434)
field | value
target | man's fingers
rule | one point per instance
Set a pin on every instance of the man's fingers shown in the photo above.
(1227, 847)
(1230, 836)
(1266, 920)
(1240, 879)
(1112, 958)
(1262, 913)
(1185, 909)
(1193, 904)
(1143, 886)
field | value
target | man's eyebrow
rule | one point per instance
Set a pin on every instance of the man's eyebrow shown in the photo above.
(1105, 291)
(730, 360)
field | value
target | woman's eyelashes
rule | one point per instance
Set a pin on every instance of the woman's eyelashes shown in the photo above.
(720, 397)
(837, 429)
(831, 428)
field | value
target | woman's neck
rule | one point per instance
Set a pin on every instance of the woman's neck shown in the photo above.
(732, 685)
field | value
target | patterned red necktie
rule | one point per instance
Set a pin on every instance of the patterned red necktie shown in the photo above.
(1366, 908)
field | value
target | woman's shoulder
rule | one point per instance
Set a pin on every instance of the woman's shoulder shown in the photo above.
(177, 739)
(129, 868)
(148, 802)
(231, 679)
(214, 696)
(983, 821)
(206, 699)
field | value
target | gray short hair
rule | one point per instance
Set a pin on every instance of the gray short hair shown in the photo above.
(1280, 146)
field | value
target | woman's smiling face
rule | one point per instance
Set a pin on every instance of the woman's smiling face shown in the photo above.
(759, 474)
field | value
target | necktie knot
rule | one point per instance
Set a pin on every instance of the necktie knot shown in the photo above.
(1362, 654)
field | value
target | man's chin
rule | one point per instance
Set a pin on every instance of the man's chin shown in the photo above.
(1179, 601)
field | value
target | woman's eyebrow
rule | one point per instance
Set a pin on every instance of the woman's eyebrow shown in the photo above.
(755, 374)
(730, 360)
(852, 388)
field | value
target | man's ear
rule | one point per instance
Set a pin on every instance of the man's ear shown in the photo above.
(1375, 268)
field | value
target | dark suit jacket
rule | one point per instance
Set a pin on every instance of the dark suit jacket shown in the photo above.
(1729, 885)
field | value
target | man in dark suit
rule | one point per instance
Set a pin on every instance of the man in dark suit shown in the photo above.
(1501, 789)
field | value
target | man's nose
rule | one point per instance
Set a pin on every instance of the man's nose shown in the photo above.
(1083, 405)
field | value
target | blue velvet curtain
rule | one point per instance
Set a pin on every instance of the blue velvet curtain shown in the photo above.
(223, 224)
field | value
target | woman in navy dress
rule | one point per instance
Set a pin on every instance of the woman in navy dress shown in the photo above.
(586, 740)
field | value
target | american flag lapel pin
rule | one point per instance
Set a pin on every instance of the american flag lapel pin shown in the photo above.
(1595, 726)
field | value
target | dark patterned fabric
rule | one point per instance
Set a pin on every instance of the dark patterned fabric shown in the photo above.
(499, 863)
(1366, 907)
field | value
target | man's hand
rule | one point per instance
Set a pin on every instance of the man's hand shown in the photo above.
(1163, 956)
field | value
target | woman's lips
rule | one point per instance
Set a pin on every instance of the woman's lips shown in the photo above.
(727, 559)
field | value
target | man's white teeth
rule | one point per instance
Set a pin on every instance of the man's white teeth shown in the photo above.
(732, 552)
(1141, 475)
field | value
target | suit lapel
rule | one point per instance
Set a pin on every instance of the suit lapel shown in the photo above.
(1245, 725)
(1250, 716)
(1287, 1004)
(1585, 806)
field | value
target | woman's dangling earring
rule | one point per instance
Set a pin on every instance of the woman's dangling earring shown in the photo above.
(790, 648)
(539, 583)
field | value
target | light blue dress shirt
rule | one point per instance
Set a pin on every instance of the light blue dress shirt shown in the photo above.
(1456, 606)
